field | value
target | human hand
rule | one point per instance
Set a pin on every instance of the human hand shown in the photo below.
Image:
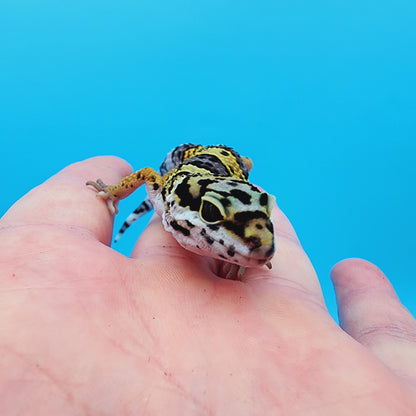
(85, 330)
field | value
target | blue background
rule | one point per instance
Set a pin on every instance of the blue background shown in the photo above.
(320, 94)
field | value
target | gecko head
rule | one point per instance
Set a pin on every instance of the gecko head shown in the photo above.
(223, 218)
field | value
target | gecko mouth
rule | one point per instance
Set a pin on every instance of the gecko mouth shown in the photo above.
(248, 261)
(234, 271)
(257, 255)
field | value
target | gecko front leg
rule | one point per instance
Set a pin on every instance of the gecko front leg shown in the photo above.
(113, 193)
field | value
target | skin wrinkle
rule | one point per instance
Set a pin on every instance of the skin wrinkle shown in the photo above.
(170, 250)
(80, 232)
(213, 301)
(352, 391)
(105, 330)
(312, 289)
(170, 382)
(37, 369)
(394, 330)
(174, 386)
(362, 294)
(58, 221)
(136, 347)
(361, 297)
(306, 295)
(326, 407)
(286, 236)
(162, 368)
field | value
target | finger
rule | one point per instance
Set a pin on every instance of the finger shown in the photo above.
(155, 240)
(370, 311)
(64, 199)
(291, 265)
(158, 243)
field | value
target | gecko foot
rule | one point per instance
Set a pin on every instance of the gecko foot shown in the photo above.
(105, 194)
(231, 271)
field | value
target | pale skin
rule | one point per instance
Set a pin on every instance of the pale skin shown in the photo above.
(85, 330)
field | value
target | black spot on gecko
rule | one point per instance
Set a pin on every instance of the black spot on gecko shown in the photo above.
(214, 227)
(155, 186)
(189, 224)
(225, 202)
(236, 228)
(269, 226)
(231, 251)
(264, 199)
(186, 198)
(203, 183)
(179, 228)
(221, 241)
(245, 216)
(207, 238)
(242, 196)
(254, 188)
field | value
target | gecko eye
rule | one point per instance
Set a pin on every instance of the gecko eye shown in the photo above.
(211, 210)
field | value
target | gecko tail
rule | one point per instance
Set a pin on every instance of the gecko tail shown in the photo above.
(145, 207)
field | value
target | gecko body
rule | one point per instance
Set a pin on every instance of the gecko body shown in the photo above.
(205, 200)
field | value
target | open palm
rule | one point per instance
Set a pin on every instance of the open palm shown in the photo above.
(85, 330)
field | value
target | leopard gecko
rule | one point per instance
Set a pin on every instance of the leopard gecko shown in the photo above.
(206, 201)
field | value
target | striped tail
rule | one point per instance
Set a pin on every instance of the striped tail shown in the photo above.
(145, 207)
